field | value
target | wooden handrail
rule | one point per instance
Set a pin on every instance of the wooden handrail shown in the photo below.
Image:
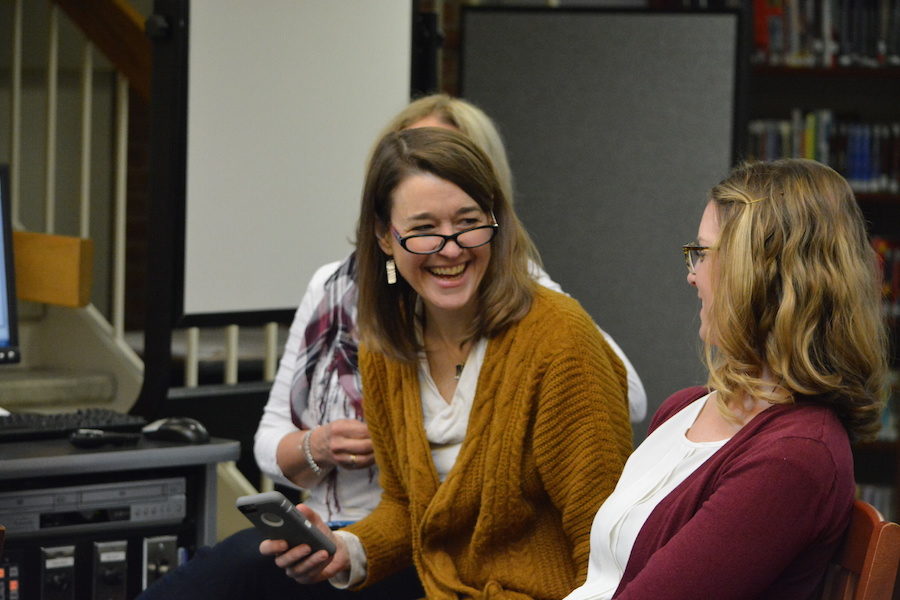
(117, 29)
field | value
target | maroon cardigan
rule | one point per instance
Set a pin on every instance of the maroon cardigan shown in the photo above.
(761, 518)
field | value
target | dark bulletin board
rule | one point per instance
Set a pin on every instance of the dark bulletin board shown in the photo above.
(617, 123)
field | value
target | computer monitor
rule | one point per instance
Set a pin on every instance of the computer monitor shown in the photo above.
(9, 325)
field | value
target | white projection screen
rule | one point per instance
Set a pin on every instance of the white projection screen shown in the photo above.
(285, 99)
(617, 124)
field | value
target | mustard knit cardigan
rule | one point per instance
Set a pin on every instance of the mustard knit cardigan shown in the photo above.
(547, 438)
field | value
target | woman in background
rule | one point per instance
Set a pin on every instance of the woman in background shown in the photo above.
(743, 489)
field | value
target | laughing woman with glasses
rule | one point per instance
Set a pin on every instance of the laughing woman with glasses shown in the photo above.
(313, 433)
(498, 413)
(743, 488)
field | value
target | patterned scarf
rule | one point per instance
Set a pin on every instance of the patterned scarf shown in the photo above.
(330, 339)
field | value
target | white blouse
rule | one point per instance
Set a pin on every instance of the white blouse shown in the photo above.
(446, 423)
(659, 465)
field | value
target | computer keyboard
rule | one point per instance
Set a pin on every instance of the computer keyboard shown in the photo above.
(32, 426)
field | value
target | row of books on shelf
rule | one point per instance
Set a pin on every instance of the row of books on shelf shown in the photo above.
(826, 33)
(867, 154)
(879, 496)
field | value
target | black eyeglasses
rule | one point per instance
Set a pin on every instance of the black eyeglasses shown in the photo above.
(429, 243)
(693, 255)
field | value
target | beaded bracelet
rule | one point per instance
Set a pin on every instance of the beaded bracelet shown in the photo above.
(307, 451)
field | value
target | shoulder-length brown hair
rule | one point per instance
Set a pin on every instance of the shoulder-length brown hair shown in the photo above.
(795, 293)
(386, 312)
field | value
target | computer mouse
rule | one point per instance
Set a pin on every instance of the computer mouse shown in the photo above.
(177, 429)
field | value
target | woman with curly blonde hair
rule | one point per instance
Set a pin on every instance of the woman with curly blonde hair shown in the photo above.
(743, 488)
(824, 336)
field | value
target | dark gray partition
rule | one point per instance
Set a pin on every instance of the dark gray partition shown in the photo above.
(617, 123)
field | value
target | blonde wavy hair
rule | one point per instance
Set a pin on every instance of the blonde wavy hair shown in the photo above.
(796, 295)
(469, 119)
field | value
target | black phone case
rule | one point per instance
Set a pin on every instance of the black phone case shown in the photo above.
(278, 519)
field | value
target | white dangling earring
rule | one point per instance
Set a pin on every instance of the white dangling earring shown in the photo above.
(391, 269)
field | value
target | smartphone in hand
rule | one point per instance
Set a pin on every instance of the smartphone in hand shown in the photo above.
(278, 519)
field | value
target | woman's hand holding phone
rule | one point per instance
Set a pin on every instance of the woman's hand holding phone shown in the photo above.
(303, 565)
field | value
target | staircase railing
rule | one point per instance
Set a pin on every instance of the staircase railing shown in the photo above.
(77, 73)
(72, 184)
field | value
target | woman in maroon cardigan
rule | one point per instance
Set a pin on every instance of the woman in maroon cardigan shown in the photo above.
(745, 491)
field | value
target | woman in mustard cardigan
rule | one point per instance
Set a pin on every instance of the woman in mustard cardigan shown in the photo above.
(497, 411)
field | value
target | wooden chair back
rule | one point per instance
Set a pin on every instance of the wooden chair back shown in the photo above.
(866, 567)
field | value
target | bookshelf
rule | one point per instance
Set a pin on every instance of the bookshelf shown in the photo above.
(826, 87)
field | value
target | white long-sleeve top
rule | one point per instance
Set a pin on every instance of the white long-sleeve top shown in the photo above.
(357, 490)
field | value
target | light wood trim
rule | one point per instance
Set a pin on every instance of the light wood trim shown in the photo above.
(53, 269)
(117, 29)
